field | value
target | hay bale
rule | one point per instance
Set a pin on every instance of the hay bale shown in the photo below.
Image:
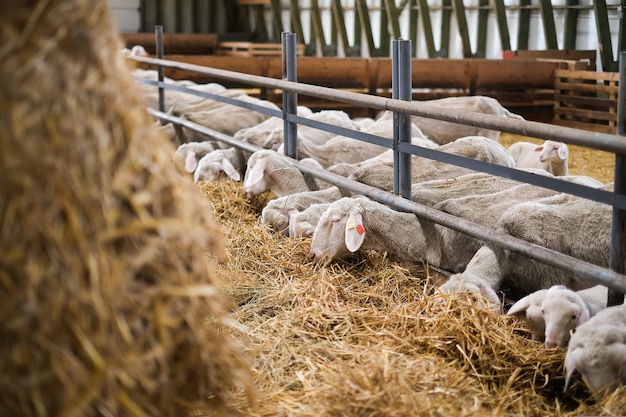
(108, 302)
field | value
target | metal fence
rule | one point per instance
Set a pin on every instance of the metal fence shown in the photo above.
(612, 277)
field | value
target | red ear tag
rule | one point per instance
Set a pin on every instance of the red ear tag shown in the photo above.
(360, 229)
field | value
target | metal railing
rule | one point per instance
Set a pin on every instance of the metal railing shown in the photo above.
(612, 277)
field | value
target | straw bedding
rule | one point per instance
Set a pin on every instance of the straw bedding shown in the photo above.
(367, 336)
(109, 305)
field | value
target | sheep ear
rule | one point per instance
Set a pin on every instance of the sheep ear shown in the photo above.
(354, 232)
(539, 148)
(563, 152)
(570, 366)
(230, 170)
(520, 306)
(255, 174)
(190, 162)
(491, 296)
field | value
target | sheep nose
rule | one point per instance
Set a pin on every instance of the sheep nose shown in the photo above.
(551, 344)
(312, 256)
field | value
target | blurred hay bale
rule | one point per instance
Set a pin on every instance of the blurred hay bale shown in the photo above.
(108, 303)
(367, 336)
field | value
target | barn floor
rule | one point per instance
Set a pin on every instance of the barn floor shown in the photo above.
(367, 336)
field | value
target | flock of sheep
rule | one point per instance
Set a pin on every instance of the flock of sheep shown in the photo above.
(561, 309)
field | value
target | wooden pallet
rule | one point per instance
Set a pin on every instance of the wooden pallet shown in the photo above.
(254, 49)
(586, 100)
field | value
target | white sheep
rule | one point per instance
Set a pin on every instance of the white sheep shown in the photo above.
(409, 237)
(444, 132)
(424, 169)
(598, 351)
(257, 134)
(232, 162)
(188, 154)
(269, 171)
(552, 314)
(220, 164)
(550, 155)
(136, 50)
(571, 225)
(277, 212)
(188, 103)
(385, 158)
(349, 224)
(303, 223)
(229, 118)
(432, 192)
(340, 149)
(306, 133)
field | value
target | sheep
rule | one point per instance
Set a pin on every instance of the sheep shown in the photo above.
(306, 133)
(432, 192)
(343, 149)
(385, 158)
(221, 163)
(551, 156)
(443, 132)
(458, 248)
(231, 162)
(553, 313)
(229, 118)
(564, 223)
(269, 171)
(331, 247)
(303, 223)
(350, 223)
(136, 50)
(422, 240)
(277, 212)
(180, 102)
(598, 351)
(424, 169)
(257, 134)
(188, 154)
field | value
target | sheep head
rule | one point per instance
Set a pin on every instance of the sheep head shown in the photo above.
(340, 231)
(563, 310)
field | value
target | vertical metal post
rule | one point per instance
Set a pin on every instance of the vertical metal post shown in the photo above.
(290, 99)
(402, 90)
(617, 257)
(159, 50)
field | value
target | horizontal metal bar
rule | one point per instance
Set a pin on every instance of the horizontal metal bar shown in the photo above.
(600, 141)
(598, 195)
(216, 97)
(213, 134)
(550, 257)
(343, 131)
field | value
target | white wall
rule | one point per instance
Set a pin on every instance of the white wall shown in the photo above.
(126, 14)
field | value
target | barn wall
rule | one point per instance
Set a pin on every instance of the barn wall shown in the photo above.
(127, 14)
